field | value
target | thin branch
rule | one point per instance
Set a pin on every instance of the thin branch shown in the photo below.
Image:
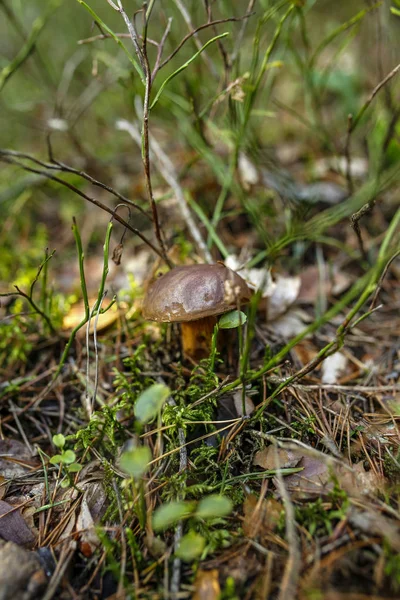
(204, 26)
(108, 36)
(12, 161)
(186, 17)
(160, 50)
(372, 95)
(132, 33)
(144, 61)
(55, 165)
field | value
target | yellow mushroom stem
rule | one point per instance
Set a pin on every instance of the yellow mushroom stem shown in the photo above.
(196, 337)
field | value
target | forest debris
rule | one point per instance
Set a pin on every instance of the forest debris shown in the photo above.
(13, 527)
(333, 368)
(238, 402)
(15, 459)
(314, 283)
(77, 313)
(314, 480)
(247, 172)
(85, 527)
(255, 278)
(358, 166)
(206, 585)
(358, 481)
(266, 458)
(372, 522)
(260, 518)
(283, 296)
(288, 325)
(21, 574)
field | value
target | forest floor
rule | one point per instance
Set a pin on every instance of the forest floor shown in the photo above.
(270, 468)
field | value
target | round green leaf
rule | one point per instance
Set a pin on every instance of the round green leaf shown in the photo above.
(191, 546)
(213, 506)
(136, 461)
(232, 320)
(74, 468)
(68, 457)
(59, 440)
(169, 514)
(56, 459)
(150, 402)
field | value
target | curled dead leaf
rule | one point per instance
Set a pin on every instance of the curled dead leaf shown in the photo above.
(77, 313)
(206, 585)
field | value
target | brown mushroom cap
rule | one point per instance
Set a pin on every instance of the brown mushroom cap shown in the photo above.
(194, 292)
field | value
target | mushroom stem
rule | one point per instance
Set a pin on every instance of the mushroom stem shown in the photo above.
(197, 336)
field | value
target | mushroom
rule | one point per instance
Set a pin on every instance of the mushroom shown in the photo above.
(194, 295)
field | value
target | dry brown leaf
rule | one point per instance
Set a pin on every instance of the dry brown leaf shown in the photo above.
(270, 458)
(358, 481)
(13, 527)
(206, 585)
(305, 351)
(314, 479)
(238, 402)
(77, 313)
(85, 528)
(260, 518)
(312, 286)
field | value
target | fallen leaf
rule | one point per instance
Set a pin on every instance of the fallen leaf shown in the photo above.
(13, 527)
(358, 481)
(255, 278)
(238, 402)
(2, 487)
(206, 585)
(358, 166)
(288, 325)
(284, 295)
(85, 528)
(270, 458)
(312, 286)
(333, 368)
(77, 313)
(314, 480)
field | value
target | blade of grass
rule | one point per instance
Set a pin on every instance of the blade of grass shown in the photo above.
(131, 58)
(184, 66)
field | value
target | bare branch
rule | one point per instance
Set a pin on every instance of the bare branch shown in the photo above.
(132, 32)
(13, 161)
(200, 28)
(160, 50)
(372, 95)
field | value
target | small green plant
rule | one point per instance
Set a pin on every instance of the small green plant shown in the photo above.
(202, 517)
(66, 460)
